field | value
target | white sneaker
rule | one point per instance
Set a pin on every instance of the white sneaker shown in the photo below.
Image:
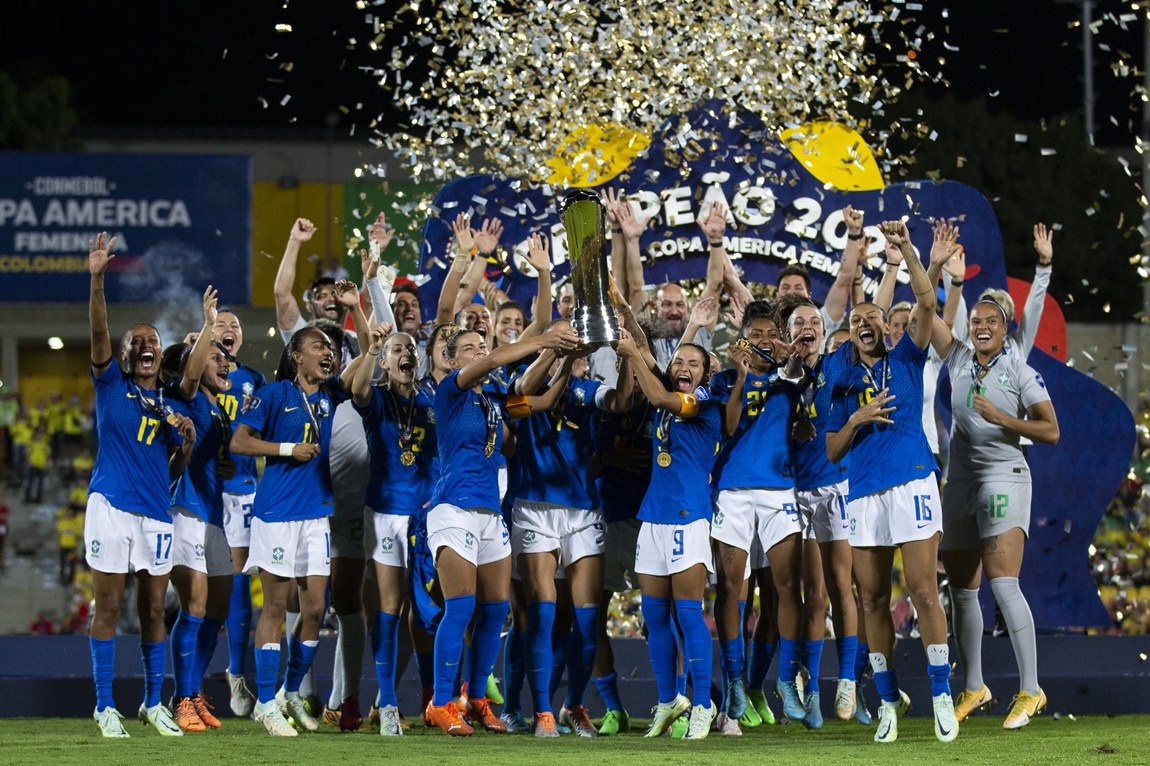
(888, 713)
(700, 724)
(845, 700)
(109, 721)
(242, 700)
(270, 715)
(389, 725)
(663, 715)
(294, 707)
(945, 722)
(728, 727)
(160, 717)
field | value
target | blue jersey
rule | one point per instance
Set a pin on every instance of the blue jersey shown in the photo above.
(290, 490)
(200, 489)
(552, 462)
(470, 436)
(131, 468)
(758, 454)
(245, 382)
(813, 468)
(885, 456)
(397, 427)
(680, 492)
(623, 443)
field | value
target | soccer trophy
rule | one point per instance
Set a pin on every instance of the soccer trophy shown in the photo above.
(585, 219)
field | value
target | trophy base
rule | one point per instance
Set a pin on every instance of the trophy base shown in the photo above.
(596, 326)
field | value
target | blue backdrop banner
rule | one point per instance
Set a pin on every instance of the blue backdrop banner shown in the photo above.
(181, 222)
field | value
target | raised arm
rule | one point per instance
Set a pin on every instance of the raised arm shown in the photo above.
(360, 385)
(650, 384)
(99, 253)
(486, 242)
(540, 260)
(837, 297)
(198, 358)
(926, 302)
(955, 270)
(559, 339)
(348, 295)
(733, 409)
(633, 228)
(465, 251)
(705, 314)
(377, 277)
(612, 198)
(1031, 315)
(287, 310)
(884, 297)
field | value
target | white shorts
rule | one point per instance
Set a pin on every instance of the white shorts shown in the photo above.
(898, 515)
(744, 516)
(974, 510)
(825, 512)
(348, 527)
(479, 536)
(120, 542)
(290, 548)
(757, 557)
(543, 527)
(199, 545)
(238, 519)
(388, 538)
(666, 549)
(619, 554)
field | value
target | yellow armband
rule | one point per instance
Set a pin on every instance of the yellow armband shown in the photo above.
(688, 405)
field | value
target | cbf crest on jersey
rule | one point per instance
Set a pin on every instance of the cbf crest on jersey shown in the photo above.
(324, 408)
(429, 413)
(251, 402)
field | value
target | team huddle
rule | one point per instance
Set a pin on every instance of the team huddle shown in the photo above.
(486, 466)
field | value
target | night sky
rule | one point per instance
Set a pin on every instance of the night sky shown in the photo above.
(205, 65)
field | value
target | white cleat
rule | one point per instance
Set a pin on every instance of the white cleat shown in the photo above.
(389, 725)
(161, 718)
(664, 714)
(701, 718)
(727, 726)
(945, 722)
(845, 699)
(270, 715)
(111, 723)
(242, 700)
(888, 713)
(294, 707)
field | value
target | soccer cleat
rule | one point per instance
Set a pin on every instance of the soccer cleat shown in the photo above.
(330, 716)
(187, 718)
(295, 708)
(204, 711)
(545, 727)
(160, 717)
(736, 698)
(845, 703)
(968, 701)
(1023, 707)
(242, 701)
(578, 720)
(758, 700)
(350, 718)
(792, 704)
(945, 724)
(862, 715)
(814, 717)
(679, 727)
(614, 722)
(664, 714)
(447, 718)
(110, 722)
(479, 710)
(272, 717)
(493, 692)
(389, 725)
(728, 727)
(514, 722)
(701, 718)
(888, 713)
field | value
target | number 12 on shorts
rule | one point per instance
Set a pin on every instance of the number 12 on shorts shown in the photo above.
(922, 511)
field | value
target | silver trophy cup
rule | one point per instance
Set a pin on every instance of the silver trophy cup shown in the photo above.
(585, 219)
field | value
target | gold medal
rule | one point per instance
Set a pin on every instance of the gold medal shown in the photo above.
(664, 459)
(173, 420)
(489, 450)
(407, 458)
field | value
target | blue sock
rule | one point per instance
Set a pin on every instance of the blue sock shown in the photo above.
(762, 654)
(662, 645)
(732, 654)
(300, 656)
(862, 659)
(206, 641)
(812, 660)
(154, 661)
(581, 653)
(540, 622)
(184, 633)
(267, 672)
(885, 678)
(559, 644)
(385, 650)
(608, 688)
(788, 660)
(425, 664)
(846, 647)
(485, 644)
(514, 669)
(239, 623)
(939, 679)
(457, 613)
(680, 679)
(697, 650)
(103, 668)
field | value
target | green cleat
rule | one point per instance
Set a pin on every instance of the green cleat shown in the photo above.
(493, 692)
(614, 722)
(758, 700)
(679, 727)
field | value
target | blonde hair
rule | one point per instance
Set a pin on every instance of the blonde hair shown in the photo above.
(1002, 298)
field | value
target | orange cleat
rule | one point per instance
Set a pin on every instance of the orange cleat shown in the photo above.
(479, 711)
(187, 718)
(204, 711)
(447, 718)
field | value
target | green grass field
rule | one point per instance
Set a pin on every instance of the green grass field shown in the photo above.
(1081, 742)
